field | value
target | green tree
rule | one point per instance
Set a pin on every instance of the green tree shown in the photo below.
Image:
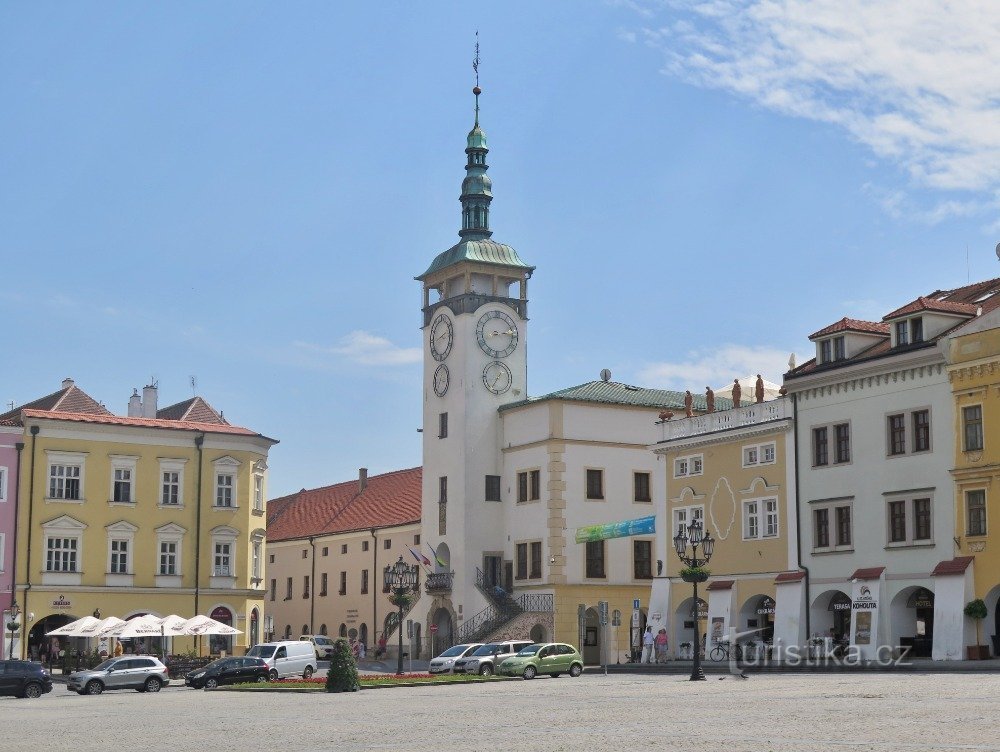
(343, 673)
(976, 610)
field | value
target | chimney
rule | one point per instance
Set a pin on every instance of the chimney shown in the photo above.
(67, 383)
(149, 401)
(135, 405)
(362, 479)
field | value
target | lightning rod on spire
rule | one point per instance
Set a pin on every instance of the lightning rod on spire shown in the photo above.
(475, 66)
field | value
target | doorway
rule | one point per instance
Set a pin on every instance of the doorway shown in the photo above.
(492, 571)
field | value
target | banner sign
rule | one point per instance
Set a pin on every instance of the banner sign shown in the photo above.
(641, 526)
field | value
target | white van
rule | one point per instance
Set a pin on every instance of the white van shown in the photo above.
(322, 644)
(286, 658)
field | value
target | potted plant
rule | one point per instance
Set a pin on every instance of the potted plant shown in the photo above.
(694, 574)
(685, 649)
(976, 610)
(342, 675)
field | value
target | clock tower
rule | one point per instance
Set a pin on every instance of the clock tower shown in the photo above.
(475, 315)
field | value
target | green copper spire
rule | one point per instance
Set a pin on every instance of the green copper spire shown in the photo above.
(476, 195)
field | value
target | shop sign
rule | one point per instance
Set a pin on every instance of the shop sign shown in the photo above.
(62, 602)
(865, 601)
(223, 614)
(766, 607)
(352, 616)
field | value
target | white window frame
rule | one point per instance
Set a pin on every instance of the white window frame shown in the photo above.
(62, 538)
(169, 533)
(965, 511)
(758, 515)
(751, 519)
(258, 492)
(167, 558)
(684, 515)
(224, 536)
(3, 543)
(256, 558)
(226, 467)
(4, 474)
(169, 465)
(66, 459)
(755, 454)
(63, 527)
(126, 464)
(120, 532)
(689, 465)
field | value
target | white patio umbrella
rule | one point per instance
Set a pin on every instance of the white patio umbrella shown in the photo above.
(140, 626)
(100, 627)
(75, 628)
(172, 626)
(204, 625)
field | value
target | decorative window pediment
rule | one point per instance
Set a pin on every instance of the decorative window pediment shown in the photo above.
(64, 522)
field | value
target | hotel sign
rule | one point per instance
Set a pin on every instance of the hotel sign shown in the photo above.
(62, 602)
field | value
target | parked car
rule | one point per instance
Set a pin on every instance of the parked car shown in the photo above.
(140, 672)
(286, 658)
(322, 644)
(24, 679)
(228, 671)
(484, 659)
(445, 663)
(551, 658)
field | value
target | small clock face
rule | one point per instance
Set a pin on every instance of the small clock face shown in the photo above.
(497, 377)
(442, 336)
(497, 334)
(441, 380)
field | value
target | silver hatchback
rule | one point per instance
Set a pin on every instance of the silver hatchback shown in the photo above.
(140, 672)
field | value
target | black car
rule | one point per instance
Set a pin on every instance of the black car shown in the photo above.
(227, 671)
(24, 679)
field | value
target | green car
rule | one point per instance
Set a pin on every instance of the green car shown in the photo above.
(551, 658)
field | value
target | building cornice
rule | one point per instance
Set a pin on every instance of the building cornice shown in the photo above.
(723, 436)
(910, 365)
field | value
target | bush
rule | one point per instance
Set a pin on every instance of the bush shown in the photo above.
(343, 673)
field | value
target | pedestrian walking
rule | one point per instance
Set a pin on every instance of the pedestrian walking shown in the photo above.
(661, 646)
(648, 644)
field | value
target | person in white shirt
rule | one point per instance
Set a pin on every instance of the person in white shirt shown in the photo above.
(648, 642)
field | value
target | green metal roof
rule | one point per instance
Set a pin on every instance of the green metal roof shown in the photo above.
(613, 393)
(480, 251)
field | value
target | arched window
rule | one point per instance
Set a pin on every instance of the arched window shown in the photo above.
(288, 631)
(322, 629)
(305, 629)
(363, 634)
(343, 630)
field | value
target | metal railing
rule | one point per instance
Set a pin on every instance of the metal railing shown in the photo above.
(536, 602)
(438, 582)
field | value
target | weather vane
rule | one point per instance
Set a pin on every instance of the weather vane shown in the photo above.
(475, 66)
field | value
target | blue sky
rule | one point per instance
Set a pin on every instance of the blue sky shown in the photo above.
(244, 191)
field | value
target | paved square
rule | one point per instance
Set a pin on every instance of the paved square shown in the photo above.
(780, 713)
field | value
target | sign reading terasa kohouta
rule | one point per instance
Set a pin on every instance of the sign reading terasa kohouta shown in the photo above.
(641, 526)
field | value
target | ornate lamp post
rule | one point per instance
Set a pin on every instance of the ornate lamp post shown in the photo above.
(693, 536)
(13, 626)
(400, 578)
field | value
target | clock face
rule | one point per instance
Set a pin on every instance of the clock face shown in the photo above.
(497, 334)
(441, 380)
(497, 377)
(442, 336)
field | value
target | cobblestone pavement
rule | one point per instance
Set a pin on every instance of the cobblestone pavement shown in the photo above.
(774, 712)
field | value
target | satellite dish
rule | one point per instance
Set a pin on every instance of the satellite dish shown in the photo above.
(998, 250)
(605, 375)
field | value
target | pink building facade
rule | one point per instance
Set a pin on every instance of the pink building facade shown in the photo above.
(10, 437)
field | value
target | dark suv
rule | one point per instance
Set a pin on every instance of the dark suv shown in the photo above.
(227, 671)
(24, 679)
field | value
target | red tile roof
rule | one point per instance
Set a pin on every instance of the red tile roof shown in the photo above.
(116, 420)
(721, 584)
(70, 398)
(852, 325)
(958, 565)
(387, 500)
(195, 409)
(790, 577)
(869, 573)
(931, 304)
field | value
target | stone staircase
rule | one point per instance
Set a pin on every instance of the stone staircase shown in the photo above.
(519, 628)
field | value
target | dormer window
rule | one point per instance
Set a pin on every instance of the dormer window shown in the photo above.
(832, 349)
(902, 333)
(916, 329)
(910, 331)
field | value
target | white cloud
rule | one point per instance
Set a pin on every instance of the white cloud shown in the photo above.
(715, 367)
(367, 349)
(914, 80)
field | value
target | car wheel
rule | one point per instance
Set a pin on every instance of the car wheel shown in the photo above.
(575, 670)
(272, 675)
(94, 687)
(554, 676)
(262, 678)
(211, 683)
(33, 691)
(152, 684)
(486, 670)
(530, 672)
(307, 674)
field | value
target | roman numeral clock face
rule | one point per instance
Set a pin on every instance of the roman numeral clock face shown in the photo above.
(496, 333)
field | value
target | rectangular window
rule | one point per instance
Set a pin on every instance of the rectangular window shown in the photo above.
(684, 515)
(897, 521)
(305, 553)
(681, 467)
(443, 425)
(64, 482)
(521, 561)
(323, 580)
(770, 518)
(595, 559)
(640, 486)
(416, 539)
(535, 485)
(288, 589)
(170, 492)
(443, 518)
(750, 456)
(821, 454)
(3, 485)
(343, 548)
(897, 434)
(258, 493)
(642, 560)
(975, 512)
(972, 427)
(902, 333)
(255, 573)
(916, 329)
(443, 489)
(492, 488)
(843, 526)
(921, 431)
(60, 555)
(325, 551)
(122, 491)
(767, 454)
(223, 490)
(224, 560)
(343, 583)
(821, 528)
(921, 519)
(364, 582)
(387, 543)
(119, 557)
(843, 434)
(522, 487)
(305, 586)
(839, 352)
(274, 589)
(168, 558)
(751, 525)
(825, 351)
(364, 545)
(535, 552)
(595, 484)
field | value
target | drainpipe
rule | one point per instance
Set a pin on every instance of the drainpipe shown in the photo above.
(312, 589)
(19, 446)
(798, 513)
(31, 509)
(371, 584)
(199, 442)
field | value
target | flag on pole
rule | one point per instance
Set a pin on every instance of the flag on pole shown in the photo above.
(421, 559)
(437, 558)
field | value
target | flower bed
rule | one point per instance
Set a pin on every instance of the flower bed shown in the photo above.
(367, 681)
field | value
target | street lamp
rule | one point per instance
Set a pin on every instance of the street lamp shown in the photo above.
(401, 578)
(15, 611)
(97, 613)
(693, 536)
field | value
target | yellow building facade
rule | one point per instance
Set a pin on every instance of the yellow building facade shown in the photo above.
(974, 372)
(733, 471)
(123, 516)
